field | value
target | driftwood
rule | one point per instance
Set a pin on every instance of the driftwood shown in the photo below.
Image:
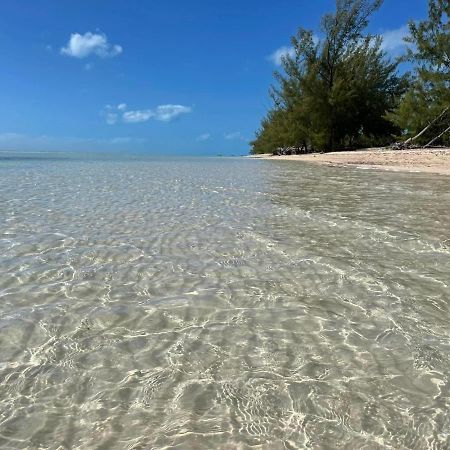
(281, 151)
(412, 139)
(437, 137)
(409, 142)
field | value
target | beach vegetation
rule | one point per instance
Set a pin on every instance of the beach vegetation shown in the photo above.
(334, 90)
(424, 112)
(341, 90)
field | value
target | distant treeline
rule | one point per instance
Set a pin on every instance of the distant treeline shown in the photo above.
(343, 91)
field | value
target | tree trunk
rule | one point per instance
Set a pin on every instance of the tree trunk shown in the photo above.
(412, 139)
(437, 137)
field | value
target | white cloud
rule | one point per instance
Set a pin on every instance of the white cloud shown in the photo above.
(237, 135)
(24, 143)
(10, 136)
(204, 137)
(166, 113)
(83, 45)
(277, 56)
(393, 40)
(163, 113)
(111, 118)
(137, 116)
(127, 140)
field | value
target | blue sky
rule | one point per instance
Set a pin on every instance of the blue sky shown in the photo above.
(172, 77)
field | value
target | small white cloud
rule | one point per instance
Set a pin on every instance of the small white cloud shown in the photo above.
(127, 140)
(277, 56)
(393, 40)
(43, 143)
(166, 113)
(121, 140)
(204, 137)
(237, 135)
(111, 118)
(5, 137)
(83, 45)
(138, 116)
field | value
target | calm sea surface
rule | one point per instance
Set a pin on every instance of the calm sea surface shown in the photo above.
(222, 304)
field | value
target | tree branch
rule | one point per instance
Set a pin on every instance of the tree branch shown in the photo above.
(436, 138)
(412, 139)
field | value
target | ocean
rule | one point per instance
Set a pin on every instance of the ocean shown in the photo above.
(221, 303)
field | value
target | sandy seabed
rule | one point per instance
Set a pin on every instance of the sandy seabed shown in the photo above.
(416, 160)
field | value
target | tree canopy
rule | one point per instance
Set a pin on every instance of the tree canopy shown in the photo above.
(428, 98)
(341, 90)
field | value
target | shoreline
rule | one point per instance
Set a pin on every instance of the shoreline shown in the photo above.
(435, 160)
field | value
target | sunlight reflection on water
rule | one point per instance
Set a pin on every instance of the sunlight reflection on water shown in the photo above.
(222, 303)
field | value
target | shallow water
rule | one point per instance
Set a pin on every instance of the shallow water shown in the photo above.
(222, 304)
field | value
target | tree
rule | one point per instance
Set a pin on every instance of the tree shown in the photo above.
(343, 33)
(335, 91)
(425, 109)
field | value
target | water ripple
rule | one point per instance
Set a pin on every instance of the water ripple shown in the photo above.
(198, 304)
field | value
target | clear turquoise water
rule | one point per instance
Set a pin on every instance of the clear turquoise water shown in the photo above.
(222, 304)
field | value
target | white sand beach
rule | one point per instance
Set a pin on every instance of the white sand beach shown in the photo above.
(415, 160)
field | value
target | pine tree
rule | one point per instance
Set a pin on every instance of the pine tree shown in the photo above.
(334, 92)
(426, 106)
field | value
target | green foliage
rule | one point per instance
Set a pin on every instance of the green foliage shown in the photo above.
(429, 95)
(334, 92)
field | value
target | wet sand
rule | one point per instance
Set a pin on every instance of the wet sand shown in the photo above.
(416, 160)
